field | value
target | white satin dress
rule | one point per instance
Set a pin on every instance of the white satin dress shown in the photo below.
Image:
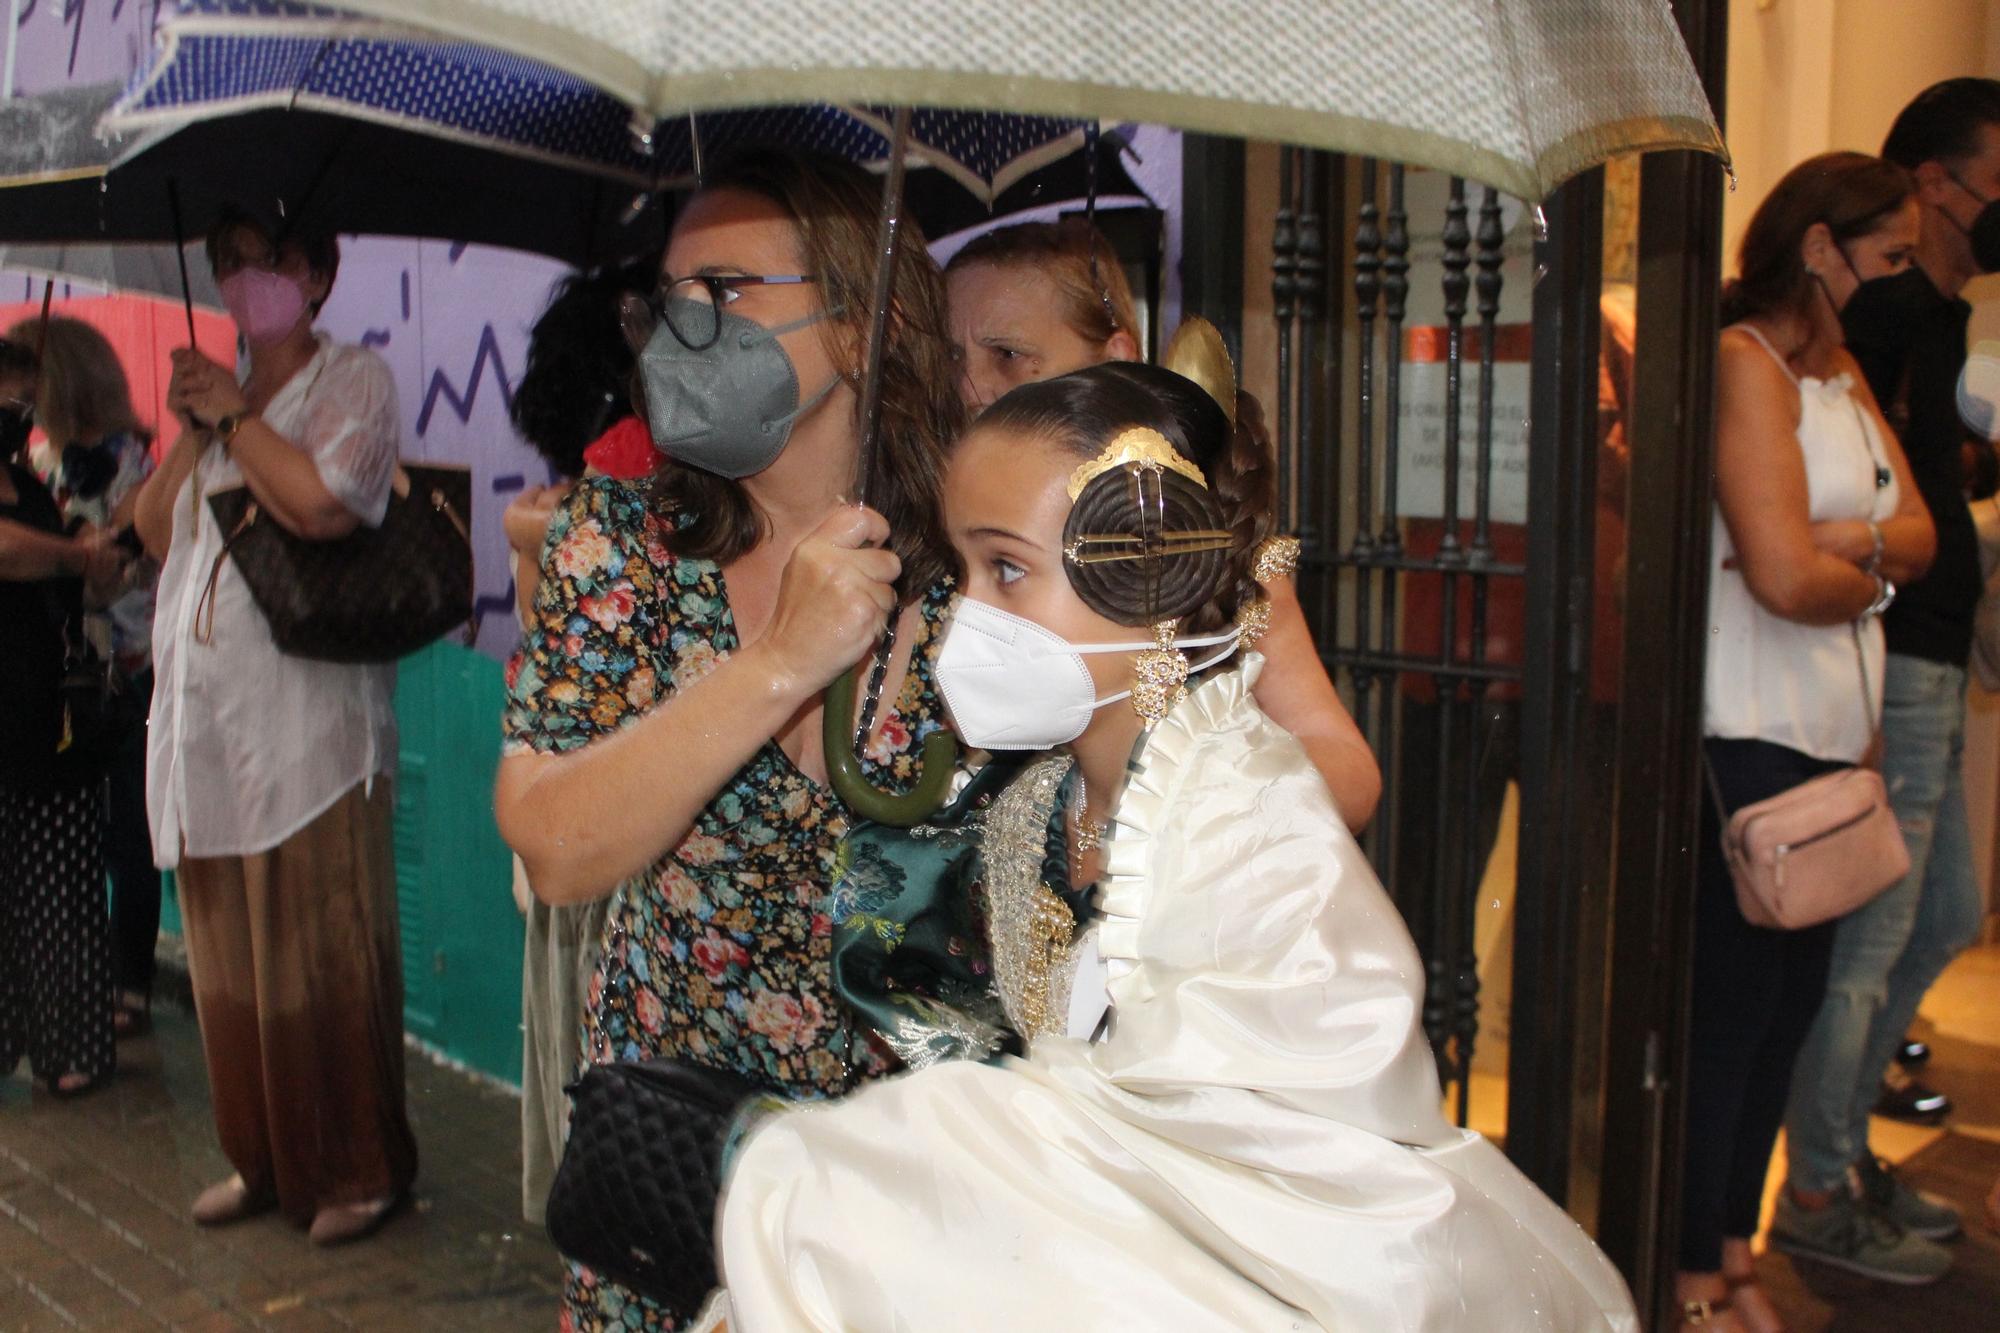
(1253, 1142)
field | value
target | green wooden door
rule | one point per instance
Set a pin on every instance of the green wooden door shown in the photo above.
(461, 934)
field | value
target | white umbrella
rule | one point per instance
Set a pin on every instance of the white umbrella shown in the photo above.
(1520, 94)
(147, 269)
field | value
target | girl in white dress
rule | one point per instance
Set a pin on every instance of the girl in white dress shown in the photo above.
(1227, 1116)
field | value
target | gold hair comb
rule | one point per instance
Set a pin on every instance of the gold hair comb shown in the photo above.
(1140, 445)
(1197, 352)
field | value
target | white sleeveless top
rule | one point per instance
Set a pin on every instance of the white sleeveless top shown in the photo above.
(1777, 680)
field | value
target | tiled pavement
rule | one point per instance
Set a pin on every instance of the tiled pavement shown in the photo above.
(94, 1231)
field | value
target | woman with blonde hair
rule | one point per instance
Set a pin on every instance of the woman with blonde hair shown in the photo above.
(96, 455)
(55, 954)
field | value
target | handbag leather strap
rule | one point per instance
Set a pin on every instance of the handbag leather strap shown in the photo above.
(204, 633)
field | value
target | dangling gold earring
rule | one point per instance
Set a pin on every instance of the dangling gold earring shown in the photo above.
(1159, 675)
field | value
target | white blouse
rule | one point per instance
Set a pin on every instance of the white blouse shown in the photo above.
(247, 745)
(1772, 679)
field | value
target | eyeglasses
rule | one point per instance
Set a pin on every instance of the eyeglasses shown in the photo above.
(689, 305)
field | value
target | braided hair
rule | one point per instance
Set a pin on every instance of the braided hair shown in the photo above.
(1083, 412)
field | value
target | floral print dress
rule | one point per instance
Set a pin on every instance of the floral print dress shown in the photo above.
(718, 954)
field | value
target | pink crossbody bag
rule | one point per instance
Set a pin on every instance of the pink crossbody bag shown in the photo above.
(1815, 851)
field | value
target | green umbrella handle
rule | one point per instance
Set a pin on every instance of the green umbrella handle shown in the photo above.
(843, 766)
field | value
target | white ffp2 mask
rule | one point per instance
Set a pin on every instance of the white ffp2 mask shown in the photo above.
(1011, 684)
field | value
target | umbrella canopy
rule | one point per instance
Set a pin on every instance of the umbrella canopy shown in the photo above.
(52, 162)
(222, 59)
(1517, 93)
(136, 267)
(62, 182)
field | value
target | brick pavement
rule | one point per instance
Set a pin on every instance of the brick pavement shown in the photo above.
(94, 1231)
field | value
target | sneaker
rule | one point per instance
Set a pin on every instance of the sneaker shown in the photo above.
(1913, 1054)
(1848, 1234)
(1912, 1101)
(1925, 1214)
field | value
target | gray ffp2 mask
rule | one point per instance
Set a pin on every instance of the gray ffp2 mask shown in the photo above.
(728, 408)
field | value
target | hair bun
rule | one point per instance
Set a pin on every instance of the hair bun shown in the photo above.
(1151, 584)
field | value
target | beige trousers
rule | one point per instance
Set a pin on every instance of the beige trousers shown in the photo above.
(297, 968)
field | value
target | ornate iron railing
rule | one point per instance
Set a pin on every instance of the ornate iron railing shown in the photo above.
(1426, 711)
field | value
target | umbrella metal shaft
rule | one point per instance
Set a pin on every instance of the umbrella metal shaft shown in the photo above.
(887, 239)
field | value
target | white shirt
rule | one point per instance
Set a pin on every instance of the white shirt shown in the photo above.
(1772, 679)
(248, 745)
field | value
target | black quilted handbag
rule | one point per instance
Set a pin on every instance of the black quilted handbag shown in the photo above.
(634, 1197)
(376, 594)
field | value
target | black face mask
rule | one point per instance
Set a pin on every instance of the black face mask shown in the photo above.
(15, 423)
(1883, 312)
(1984, 233)
(88, 469)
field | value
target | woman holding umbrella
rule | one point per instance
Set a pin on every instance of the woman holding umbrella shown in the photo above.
(268, 774)
(683, 639)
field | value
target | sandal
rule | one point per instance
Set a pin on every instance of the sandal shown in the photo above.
(1753, 1320)
(132, 1019)
(342, 1223)
(63, 1090)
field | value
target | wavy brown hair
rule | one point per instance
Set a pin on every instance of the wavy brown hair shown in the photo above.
(1852, 193)
(835, 206)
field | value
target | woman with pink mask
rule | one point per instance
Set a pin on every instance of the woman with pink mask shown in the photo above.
(268, 775)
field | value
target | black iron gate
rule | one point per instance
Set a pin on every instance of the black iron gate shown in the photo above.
(1439, 712)
(1455, 572)
(1402, 595)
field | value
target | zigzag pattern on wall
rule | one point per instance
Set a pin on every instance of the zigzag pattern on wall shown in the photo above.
(461, 404)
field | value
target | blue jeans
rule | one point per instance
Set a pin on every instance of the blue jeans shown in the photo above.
(1887, 954)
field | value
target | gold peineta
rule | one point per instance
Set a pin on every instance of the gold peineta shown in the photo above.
(1141, 446)
(1197, 352)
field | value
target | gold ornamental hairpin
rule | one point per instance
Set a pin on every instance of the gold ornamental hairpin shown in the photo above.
(1140, 445)
(1197, 352)
(1091, 550)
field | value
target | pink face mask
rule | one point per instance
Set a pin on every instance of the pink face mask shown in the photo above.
(265, 305)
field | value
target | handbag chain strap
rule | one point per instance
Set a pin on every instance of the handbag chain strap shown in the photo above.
(1875, 469)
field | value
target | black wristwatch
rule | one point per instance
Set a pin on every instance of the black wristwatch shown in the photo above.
(225, 427)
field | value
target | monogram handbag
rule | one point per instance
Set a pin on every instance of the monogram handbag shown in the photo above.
(376, 594)
(634, 1197)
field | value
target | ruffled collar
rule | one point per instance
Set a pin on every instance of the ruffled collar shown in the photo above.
(1159, 764)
